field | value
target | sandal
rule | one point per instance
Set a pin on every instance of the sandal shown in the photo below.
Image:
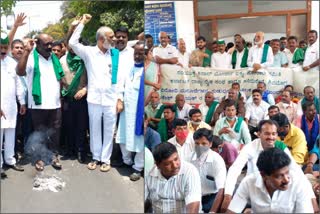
(56, 164)
(92, 165)
(105, 167)
(39, 165)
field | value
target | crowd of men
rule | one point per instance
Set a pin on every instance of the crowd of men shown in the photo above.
(69, 91)
(238, 153)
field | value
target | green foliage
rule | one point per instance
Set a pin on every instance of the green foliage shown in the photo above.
(55, 30)
(6, 6)
(109, 13)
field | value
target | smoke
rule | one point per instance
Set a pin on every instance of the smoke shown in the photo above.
(36, 147)
(46, 182)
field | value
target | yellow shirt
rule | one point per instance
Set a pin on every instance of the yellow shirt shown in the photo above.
(202, 125)
(297, 144)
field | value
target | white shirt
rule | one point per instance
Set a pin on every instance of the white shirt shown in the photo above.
(166, 53)
(213, 166)
(186, 150)
(184, 59)
(256, 113)
(311, 55)
(253, 190)
(173, 194)
(220, 60)
(249, 155)
(50, 86)
(204, 110)
(255, 56)
(11, 87)
(270, 98)
(290, 110)
(289, 56)
(101, 91)
(184, 112)
(126, 61)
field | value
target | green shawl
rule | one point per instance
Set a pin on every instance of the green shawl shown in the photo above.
(243, 61)
(207, 61)
(163, 130)
(36, 86)
(264, 53)
(211, 111)
(280, 145)
(298, 56)
(75, 64)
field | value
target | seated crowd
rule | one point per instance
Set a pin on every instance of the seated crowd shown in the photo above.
(258, 152)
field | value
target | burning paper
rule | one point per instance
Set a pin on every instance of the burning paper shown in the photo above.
(46, 182)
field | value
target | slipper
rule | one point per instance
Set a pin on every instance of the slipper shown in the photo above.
(105, 167)
(92, 165)
(39, 165)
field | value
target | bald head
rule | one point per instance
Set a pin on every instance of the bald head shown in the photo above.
(180, 101)
(44, 44)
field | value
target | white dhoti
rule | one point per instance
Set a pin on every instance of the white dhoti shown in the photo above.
(126, 137)
(9, 135)
(101, 145)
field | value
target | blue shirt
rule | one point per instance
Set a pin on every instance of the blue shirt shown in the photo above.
(315, 150)
(279, 59)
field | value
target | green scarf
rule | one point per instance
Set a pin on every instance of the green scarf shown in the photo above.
(298, 56)
(163, 130)
(264, 53)
(243, 61)
(75, 64)
(238, 124)
(159, 112)
(280, 145)
(175, 107)
(114, 62)
(36, 87)
(207, 61)
(210, 112)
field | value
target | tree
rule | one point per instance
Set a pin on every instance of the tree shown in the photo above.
(110, 13)
(6, 6)
(55, 30)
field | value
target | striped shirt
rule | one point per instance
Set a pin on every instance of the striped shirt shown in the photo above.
(213, 166)
(173, 194)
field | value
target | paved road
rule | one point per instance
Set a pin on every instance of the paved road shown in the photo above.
(85, 191)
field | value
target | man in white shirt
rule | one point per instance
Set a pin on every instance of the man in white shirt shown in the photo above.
(212, 170)
(165, 53)
(288, 107)
(173, 185)
(239, 57)
(11, 89)
(274, 189)
(294, 51)
(105, 90)
(311, 60)
(183, 56)
(268, 134)
(208, 107)
(266, 95)
(255, 112)
(182, 108)
(221, 59)
(44, 74)
(260, 55)
(182, 140)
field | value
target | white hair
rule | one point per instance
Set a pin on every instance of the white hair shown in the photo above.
(102, 31)
(160, 34)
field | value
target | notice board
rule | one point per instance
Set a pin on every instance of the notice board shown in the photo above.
(160, 17)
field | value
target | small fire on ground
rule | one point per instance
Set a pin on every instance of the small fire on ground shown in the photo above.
(48, 182)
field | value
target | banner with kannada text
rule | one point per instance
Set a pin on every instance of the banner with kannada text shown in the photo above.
(196, 81)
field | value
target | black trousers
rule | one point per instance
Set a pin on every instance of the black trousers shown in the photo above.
(75, 116)
(252, 130)
(44, 119)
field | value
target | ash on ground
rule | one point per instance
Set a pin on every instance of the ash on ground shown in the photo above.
(48, 182)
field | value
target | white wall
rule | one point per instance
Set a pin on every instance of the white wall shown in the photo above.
(184, 21)
(315, 16)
